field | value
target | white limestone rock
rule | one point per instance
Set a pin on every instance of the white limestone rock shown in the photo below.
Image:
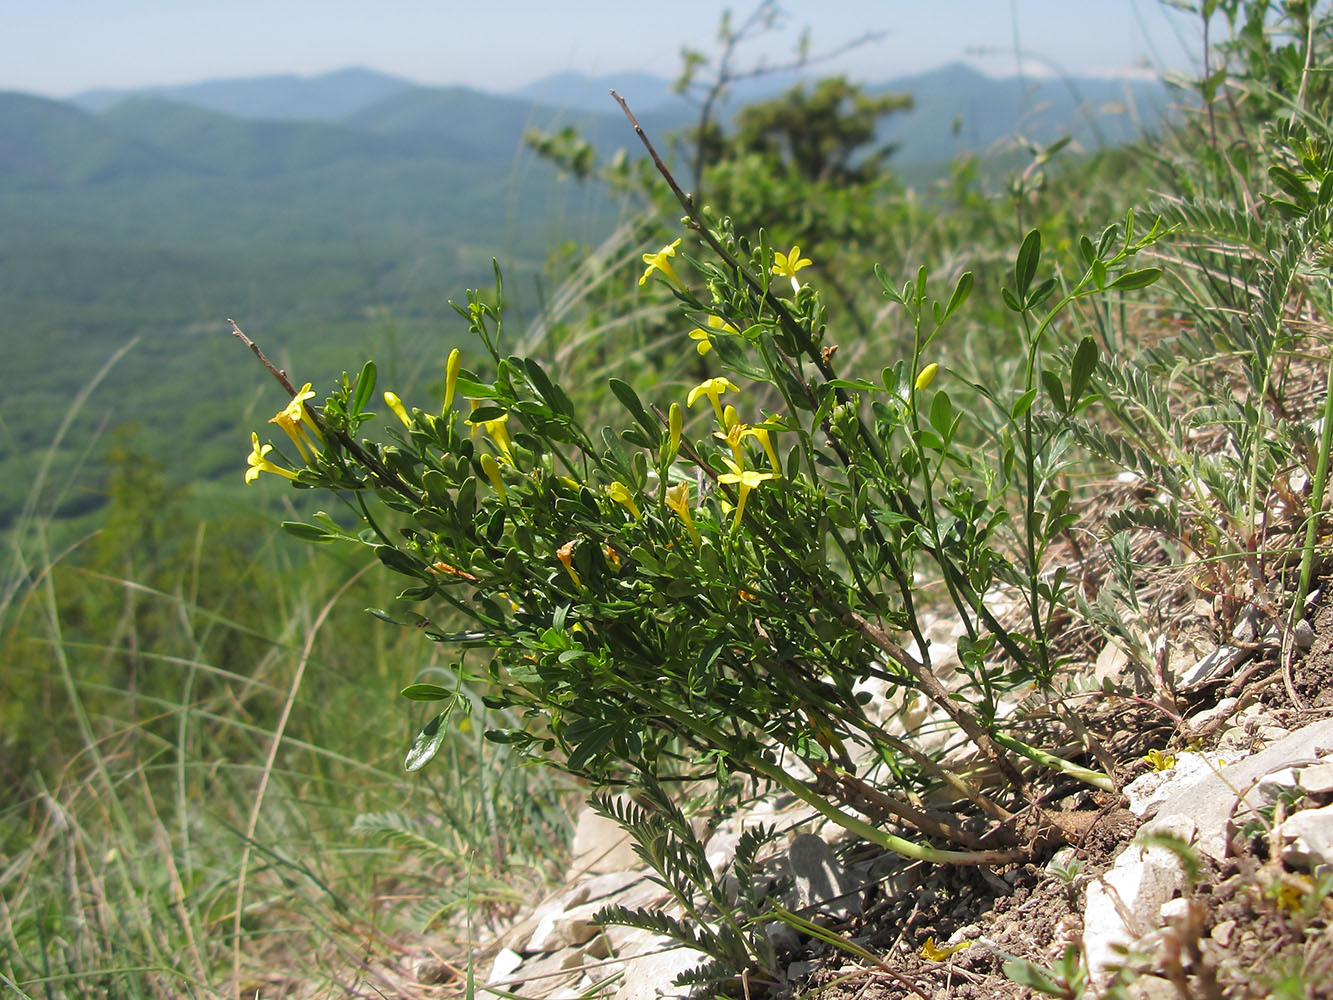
(600, 846)
(1317, 779)
(1126, 903)
(820, 880)
(1307, 838)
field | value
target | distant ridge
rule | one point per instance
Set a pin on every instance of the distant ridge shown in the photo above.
(46, 143)
(286, 97)
(577, 92)
(958, 108)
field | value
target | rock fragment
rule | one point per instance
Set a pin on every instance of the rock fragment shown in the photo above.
(820, 881)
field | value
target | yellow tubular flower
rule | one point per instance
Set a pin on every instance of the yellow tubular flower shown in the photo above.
(761, 435)
(296, 423)
(259, 461)
(660, 261)
(927, 375)
(736, 433)
(745, 480)
(492, 469)
(496, 429)
(932, 952)
(394, 403)
(566, 556)
(293, 430)
(712, 388)
(621, 494)
(704, 337)
(787, 264)
(676, 425)
(678, 499)
(451, 377)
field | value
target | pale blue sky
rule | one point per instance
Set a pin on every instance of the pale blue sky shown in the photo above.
(59, 47)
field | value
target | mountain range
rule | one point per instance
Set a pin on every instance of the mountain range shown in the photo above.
(957, 107)
(324, 211)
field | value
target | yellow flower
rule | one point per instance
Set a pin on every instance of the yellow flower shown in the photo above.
(294, 420)
(927, 375)
(566, 556)
(705, 343)
(621, 494)
(492, 469)
(712, 388)
(660, 261)
(735, 434)
(499, 434)
(1160, 761)
(259, 461)
(787, 264)
(745, 480)
(678, 499)
(392, 401)
(762, 435)
(932, 952)
(451, 376)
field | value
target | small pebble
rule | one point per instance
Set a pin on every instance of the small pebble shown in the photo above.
(431, 971)
(1223, 933)
(1303, 633)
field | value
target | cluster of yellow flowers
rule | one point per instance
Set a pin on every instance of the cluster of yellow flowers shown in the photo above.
(303, 428)
(296, 421)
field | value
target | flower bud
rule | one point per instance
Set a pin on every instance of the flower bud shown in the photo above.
(451, 376)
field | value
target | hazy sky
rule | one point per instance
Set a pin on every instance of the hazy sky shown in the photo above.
(59, 47)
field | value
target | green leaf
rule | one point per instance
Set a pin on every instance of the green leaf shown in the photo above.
(427, 744)
(483, 413)
(365, 385)
(859, 384)
(1054, 389)
(1293, 185)
(941, 414)
(1034, 977)
(960, 293)
(426, 692)
(1106, 241)
(1087, 251)
(555, 396)
(1025, 267)
(473, 388)
(630, 400)
(1081, 369)
(1023, 403)
(890, 290)
(1041, 293)
(1137, 279)
(1010, 300)
(306, 532)
(591, 746)
(399, 561)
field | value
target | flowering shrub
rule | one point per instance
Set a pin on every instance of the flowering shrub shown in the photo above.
(690, 598)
